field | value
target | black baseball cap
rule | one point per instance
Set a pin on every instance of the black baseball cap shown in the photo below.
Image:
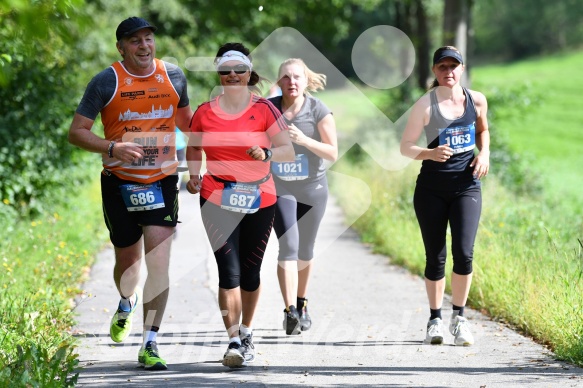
(447, 53)
(131, 25)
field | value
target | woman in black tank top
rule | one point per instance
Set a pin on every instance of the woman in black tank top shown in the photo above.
(448, 189)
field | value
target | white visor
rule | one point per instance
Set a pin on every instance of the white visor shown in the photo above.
(234, 56)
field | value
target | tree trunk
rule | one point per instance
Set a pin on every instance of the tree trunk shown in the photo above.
(403, 22)
(423, 40)
(456, 28)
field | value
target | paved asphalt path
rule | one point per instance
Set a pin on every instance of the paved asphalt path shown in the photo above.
(369, 323)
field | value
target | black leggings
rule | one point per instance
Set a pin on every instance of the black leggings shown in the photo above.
(238, 241)
(299, 210)
(434, 209)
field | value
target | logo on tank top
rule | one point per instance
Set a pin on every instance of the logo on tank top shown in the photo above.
(133, 128)
(160, 95)
(153, 114)
(128, 81)
(159, 78)
(162, 128)
(133, 95)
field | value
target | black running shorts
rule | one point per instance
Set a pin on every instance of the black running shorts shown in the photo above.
(125, 227)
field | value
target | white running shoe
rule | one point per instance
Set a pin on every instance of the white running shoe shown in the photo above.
(247, 348)
(434, 332)
(233, 357)
(459, 327)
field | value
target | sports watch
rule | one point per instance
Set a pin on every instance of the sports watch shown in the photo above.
(268, 154)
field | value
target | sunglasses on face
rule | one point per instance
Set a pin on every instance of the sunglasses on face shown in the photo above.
(238, 69)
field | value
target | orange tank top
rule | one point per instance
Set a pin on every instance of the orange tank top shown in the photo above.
(142, 110)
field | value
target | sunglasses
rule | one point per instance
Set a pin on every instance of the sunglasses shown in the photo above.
(238, 69)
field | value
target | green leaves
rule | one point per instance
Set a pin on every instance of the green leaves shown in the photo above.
(37, 76)
(39, 367)
(35, 350)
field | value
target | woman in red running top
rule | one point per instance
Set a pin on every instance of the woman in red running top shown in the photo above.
(239, 132)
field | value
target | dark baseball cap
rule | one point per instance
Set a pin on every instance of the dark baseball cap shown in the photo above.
(447, 53)
(131, 25)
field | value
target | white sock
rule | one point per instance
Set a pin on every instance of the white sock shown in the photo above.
(149, 336)
(244, 330)
(235, 339)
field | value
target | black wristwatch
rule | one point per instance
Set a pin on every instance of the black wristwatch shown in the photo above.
(268, 154)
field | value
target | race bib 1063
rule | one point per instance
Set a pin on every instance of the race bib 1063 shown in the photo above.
(241, 197)
(140, 197)
(292, 171)
(460, 139)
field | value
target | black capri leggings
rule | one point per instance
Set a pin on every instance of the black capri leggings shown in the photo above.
(299, 210)
(238, 241)
(434, 209)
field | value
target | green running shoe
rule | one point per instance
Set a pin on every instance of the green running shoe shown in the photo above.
(121, 323)
(149, 358)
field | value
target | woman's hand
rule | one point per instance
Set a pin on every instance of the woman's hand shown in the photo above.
(194, 184)
(256, 153)
(297, 136)
(481, 164)
(441, 154)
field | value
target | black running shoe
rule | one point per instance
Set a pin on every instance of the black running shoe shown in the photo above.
(291, 321)
(305, 319)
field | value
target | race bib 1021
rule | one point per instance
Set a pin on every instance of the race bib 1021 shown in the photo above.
(297, 170)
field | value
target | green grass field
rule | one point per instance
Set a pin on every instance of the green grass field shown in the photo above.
(551, 130)
(350, 105)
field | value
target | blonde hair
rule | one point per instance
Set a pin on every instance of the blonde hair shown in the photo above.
(316, 81)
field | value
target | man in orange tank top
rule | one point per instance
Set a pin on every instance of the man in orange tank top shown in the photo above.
(141, 100)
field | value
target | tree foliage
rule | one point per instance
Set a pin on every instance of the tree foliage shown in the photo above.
(50, 49)
(36, 45)
(510, 30)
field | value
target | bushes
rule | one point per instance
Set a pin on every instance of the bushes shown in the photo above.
(42, 354)
(35, 157)
(42, 262)
(36, 102)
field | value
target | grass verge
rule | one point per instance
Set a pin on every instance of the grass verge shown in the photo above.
(527, 268)
(43, 262)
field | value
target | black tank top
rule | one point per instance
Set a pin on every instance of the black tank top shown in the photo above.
(460, 135)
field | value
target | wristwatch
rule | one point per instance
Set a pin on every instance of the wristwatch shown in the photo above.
(268, 154)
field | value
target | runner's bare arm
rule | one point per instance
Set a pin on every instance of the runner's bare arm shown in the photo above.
(81, 136)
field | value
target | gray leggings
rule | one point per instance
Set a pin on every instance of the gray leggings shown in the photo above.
(298, 212)
(434, 210)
